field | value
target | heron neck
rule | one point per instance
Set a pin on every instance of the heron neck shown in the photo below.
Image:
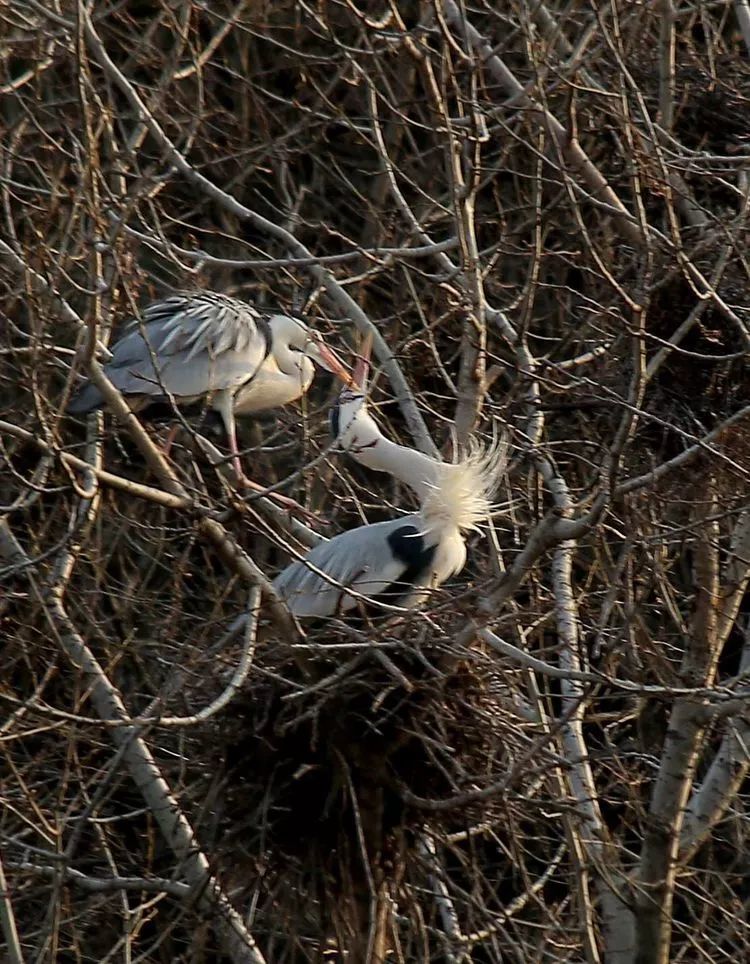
(418, 471)
(288, 361)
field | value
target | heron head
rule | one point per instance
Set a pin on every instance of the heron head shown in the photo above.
(352, 426)
(294, 334)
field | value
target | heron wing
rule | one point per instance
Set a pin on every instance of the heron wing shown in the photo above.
(379, 561)
(201, 343)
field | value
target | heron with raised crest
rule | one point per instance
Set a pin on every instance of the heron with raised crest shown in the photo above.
(399, 561)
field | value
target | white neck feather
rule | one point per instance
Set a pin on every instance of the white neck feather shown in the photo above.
(452, 495)
(418, 471)
(288, 361)
(287, 344)
(461, 497)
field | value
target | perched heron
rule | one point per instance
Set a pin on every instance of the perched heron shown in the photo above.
(202, 345)
(395, 562)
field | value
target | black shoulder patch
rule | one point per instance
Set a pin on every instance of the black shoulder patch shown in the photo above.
(334, 419)
(265, 329)
(408, 546)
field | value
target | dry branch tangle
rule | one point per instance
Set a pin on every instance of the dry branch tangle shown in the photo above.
(542, 209)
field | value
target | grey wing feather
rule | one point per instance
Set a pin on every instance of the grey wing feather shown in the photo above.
(360, 558)
(203, 342)
(86, 399)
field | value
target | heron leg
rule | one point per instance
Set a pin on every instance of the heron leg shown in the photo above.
(224, 405)
(171, 435)
(235, 452)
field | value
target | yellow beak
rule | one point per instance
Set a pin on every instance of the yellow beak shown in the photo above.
(362, 365)
(332, 363)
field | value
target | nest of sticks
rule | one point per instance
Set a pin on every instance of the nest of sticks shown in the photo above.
(324, 787)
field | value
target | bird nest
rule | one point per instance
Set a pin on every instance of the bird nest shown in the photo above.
(320, 784)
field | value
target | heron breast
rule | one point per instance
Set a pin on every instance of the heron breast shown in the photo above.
(271, 388)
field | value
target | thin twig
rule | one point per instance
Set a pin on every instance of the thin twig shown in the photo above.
(8, 921)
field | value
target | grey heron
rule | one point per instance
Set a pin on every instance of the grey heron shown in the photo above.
(203, 345)
(398, 561)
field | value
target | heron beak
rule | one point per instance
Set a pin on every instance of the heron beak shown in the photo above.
(362, 365)
(326, 357)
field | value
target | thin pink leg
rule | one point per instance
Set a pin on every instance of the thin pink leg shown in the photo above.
(224, 405)
(166, 448)
(227, 412)
(235, 453)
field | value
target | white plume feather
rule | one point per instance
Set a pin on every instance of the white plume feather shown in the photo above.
(461, 495)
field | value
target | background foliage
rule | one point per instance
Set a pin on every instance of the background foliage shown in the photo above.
(543, 211)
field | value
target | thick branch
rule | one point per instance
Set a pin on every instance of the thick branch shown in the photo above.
(659, 855)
